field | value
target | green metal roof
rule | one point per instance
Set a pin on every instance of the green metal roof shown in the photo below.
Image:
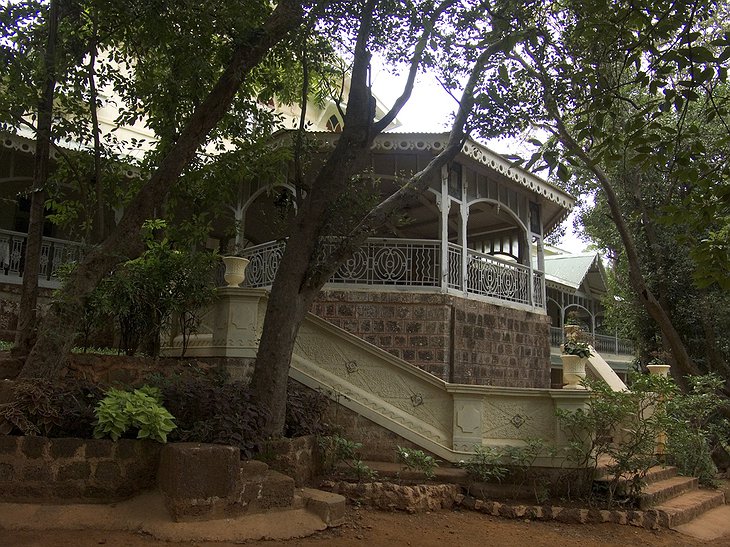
(575, 269)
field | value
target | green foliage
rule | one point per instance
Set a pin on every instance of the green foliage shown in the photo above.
(620, 430)
(492, 463)
(208, 408)
(335, 449)
(576, 347)
(140, 410)
(305, 411)
(51, 409)
(696, 427)
(417, 460)
(5, 345)
(486, 465)
(145, 293)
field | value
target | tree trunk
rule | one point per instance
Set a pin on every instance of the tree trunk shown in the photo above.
(680, 356)
(50, 352)
(27, 314)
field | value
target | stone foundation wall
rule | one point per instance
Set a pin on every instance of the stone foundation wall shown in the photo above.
(378, 443)
(500, 346)
(123, 369)
(456, 339)
(36, 469)
(297, 458)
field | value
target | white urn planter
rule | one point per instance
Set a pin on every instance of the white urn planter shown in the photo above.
(235, 270)
(574, 371)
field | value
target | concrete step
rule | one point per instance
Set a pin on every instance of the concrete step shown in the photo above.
(687, 506)
(655, 474)
(709, 526)
(657, 492)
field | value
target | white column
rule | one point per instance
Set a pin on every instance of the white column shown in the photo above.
(444, 202)
(464, 222)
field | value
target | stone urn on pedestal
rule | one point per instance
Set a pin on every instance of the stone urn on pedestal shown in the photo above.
(574, 357)
(235, 270)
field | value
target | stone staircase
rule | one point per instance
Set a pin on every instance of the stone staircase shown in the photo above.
(207, 482)
(675, 499)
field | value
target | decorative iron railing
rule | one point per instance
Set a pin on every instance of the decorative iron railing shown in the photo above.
(538, 288)
(455, 277)
(414, 263)
(402, 262)
(54, 254)
(601, 342)
(489, 276)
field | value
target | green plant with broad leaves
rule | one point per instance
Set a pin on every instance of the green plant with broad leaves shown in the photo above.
(140, 409)
(619, 428)
(576, 347)
(336, 449)
(417, 460)
(696, 427)
(486, 465)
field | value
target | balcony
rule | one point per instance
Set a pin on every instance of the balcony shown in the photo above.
(607, 346)
(418, 264)
(55, 253)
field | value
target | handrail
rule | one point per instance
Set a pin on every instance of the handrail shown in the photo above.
(415, 263)
(55, 253)
(603, 343)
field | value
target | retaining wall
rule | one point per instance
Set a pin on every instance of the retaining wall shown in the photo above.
(459, 340)
(75, 470)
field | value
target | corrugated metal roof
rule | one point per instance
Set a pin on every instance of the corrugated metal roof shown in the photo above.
(571, 269)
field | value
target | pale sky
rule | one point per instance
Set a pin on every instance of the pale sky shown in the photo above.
(429, 110)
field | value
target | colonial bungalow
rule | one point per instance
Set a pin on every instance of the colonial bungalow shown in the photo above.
(463, 289)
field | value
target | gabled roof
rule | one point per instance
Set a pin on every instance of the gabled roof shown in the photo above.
(574, 270)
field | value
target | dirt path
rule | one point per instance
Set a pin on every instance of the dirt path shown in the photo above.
(366, 527)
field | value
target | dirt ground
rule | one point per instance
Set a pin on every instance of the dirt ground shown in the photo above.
(369, 527)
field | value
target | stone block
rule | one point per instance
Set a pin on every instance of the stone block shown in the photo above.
(66, 448)
(34, 447)
(326, 505)
(277, 491)
(7, 472)
(198, 471)
(74, 471)
(9, 444)
(98, 448)
(108, 471)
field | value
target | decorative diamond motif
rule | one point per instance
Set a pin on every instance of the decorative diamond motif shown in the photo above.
(351, 366)
(518, 420)
(417, 399)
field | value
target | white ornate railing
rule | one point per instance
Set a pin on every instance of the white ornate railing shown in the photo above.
(414, 263)
(489, 276)
(601, 342)
(54, 254)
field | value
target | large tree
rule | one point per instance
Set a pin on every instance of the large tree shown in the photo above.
(612, 83)
(241, 37)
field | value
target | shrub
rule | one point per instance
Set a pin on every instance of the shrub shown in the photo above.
(486, 465)
(208, 409)
(140, 409)
(305, 411)
(696, 427)
(146, 293)
(620, 427)
(417, 460)
(336, 449)
(52, 409)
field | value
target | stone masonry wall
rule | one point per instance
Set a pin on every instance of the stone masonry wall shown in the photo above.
(500, 346)
(456, 339)
(75, 470)
(412, 326)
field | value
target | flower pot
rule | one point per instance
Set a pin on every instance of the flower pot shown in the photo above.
(235, 270)
(658, 370)
(574, 371)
